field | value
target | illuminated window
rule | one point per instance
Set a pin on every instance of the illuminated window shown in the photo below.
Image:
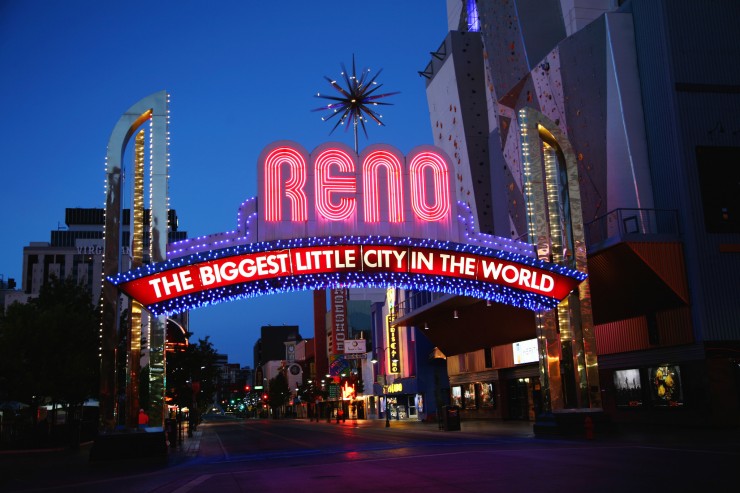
(472, 16)
(628, 388)
(486, 395)
(469, 401)
(456, 396)
(665, 385)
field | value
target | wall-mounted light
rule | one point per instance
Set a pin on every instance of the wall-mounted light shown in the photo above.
(426, 326)
(455, 314)
(488, 302)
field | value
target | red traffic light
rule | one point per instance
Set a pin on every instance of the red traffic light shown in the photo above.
(247, 388)
(264, 396)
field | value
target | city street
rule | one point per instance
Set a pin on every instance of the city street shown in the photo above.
(298, 455)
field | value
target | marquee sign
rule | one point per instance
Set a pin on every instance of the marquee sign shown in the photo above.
(333, 219)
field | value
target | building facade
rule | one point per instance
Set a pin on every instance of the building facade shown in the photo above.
(76, 251)
(601, 132)
(271, 344)
(410, 378)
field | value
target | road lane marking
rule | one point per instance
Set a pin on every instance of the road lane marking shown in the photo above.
(223, 449)
(192, 484)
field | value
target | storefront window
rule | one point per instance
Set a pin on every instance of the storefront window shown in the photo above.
(456, 392)
(628, 385)
(469, 396)
(665, 383)
(419, 401)
(486, 395)
(392, 407)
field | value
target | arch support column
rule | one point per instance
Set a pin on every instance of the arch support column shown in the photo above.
(152, 109)
(567, 349)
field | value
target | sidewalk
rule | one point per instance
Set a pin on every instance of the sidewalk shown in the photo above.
(476, 427)
(190, 446)
(186, 448)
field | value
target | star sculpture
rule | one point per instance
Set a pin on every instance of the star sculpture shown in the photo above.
(355, 100)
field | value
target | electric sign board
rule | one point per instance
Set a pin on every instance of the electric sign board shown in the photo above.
(333, 219)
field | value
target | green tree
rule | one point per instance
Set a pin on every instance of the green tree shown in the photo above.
(193, 368)
(49, 347)
(309, 392)
(278, 393)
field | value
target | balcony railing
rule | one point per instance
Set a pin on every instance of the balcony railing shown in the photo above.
(621, 224)
(615, 226)
(416, 300)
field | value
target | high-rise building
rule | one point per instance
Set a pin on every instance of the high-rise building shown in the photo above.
(76, 251)
(271, 344)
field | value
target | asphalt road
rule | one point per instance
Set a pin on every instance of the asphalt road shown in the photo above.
(297, 455)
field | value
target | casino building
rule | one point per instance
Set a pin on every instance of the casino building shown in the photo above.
(608, 132)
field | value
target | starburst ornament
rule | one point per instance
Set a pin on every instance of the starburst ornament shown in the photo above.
(354, 104)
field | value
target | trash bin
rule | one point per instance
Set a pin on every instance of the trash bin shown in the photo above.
(451, 418)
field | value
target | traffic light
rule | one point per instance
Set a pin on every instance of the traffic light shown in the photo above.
(247, 388)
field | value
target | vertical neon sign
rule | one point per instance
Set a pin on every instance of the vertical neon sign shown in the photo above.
(393, 353)
(392, 350)
(339, 320)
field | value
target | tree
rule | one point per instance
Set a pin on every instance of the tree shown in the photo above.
(49, 347)
(309, 392)
(193, 368)
(278, 393)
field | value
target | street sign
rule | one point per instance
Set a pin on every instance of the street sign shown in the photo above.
(355, 356)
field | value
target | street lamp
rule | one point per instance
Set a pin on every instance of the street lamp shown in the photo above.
(385, 389)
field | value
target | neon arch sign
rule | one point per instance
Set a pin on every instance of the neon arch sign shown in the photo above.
(333, 219)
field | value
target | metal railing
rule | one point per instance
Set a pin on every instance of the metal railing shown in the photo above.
(416, 300)
(621, 223)
(618, 225)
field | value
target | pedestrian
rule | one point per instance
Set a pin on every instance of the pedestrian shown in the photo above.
(143, 419)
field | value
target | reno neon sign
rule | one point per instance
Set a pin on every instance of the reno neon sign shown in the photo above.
(334, 219)
(333, 191)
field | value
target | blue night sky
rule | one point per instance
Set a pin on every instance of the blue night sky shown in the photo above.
(241, 74)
